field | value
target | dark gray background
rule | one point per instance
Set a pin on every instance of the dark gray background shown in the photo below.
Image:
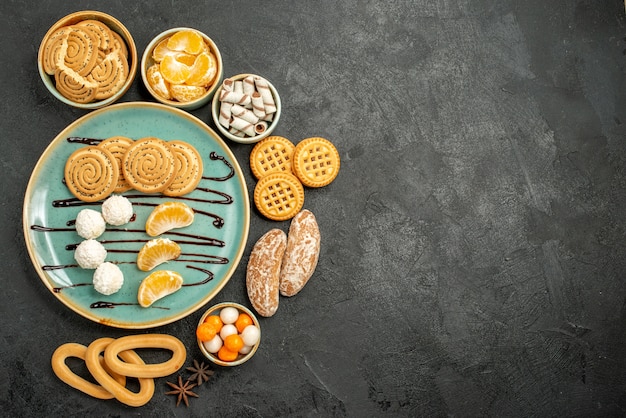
(473, 244)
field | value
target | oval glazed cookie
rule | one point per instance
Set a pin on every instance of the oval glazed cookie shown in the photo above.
(262, 274)
(301, 254)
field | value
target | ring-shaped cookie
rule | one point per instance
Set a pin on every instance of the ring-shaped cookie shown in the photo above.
(161, 341)
(146, 386)
(67, 376)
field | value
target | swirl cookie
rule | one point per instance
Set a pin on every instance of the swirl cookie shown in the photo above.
(315, 162)
(54, 50)
(99, 31)
(279, 196)
(75, 87)
(149, 165)
(109, 74)
(188, 168)
(270, 155)
(81, 53)
(118, 145)
(91, 173)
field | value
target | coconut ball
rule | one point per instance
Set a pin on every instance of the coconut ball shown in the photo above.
(90, 224)
(108, 278)
(90, 254)
(117, 210)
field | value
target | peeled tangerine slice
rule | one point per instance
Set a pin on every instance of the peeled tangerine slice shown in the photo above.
(157, 82)
(173, 70)
(157, 285)
(203, 70)
(168, 216)
(189, 41)
(157, 251)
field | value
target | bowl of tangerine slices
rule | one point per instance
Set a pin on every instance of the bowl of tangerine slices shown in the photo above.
(182, 67)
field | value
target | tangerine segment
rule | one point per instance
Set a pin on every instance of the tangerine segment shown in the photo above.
(157, 285)
(168, 216)
(161, 51)
(157, 82)
(173, 70)
(184, 93)
(203, 70)
(157, 251)
(188, 41)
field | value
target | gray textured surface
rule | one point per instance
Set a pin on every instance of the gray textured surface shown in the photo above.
(473, 244)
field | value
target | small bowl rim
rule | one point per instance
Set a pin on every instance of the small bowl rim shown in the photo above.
(200, 101)
(252, 139)
(214, 358)
(107, 19)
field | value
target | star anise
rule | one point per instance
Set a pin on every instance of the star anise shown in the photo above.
(201, 372)
(182, 390)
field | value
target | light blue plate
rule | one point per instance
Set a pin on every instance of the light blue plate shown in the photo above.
(221, 196)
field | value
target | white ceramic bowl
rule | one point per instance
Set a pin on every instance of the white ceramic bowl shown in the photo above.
(215, 112)
(147, 61)
(114, 25)
(241, 358)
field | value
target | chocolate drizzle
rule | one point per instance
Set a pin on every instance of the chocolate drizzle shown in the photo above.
(140, 200)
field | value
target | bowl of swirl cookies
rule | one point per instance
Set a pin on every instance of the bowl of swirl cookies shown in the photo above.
(87, 59)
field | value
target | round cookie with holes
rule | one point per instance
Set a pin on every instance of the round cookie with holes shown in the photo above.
(315, 162)
(279, 196)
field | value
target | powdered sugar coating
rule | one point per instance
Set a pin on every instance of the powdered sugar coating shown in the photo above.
(89, 254)
(117, 210)
(90, 224)
(301, 255)
(263, 270)
(108, 278)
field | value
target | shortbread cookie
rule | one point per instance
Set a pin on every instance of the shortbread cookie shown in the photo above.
(118, 145)
(91, 173)
(301, 254)
(149, 165)
(188, 168)
(279, 196)
(315, 162)
(270, 155)
(262, 274)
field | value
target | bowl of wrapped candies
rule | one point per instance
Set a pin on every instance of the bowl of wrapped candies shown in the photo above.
(228, 334)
